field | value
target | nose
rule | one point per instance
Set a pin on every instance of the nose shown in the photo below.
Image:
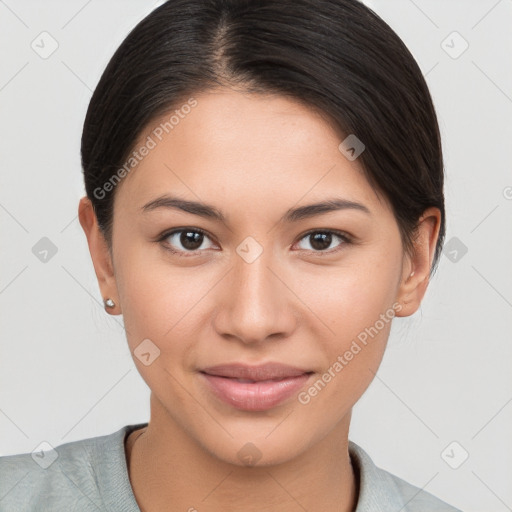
(255, 302)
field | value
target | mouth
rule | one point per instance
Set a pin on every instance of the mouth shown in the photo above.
(254, 388)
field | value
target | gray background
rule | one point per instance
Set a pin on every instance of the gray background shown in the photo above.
(65, 369)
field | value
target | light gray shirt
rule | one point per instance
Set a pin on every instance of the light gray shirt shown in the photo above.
(91, 475)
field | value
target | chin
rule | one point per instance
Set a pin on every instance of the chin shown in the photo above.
(270, 448)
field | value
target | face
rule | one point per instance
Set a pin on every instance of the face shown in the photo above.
(253, 277)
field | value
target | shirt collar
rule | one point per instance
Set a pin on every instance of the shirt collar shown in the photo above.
(377, 489)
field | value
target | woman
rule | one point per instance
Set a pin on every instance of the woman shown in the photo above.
(264, 195)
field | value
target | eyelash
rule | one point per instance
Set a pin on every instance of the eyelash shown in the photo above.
(346, 239)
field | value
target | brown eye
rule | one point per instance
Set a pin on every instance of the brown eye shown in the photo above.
(186, 240)
(319, 241)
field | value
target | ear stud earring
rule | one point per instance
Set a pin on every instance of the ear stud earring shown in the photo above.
(109, 303)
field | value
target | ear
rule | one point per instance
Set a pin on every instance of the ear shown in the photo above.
(100, 254)
(416, 267)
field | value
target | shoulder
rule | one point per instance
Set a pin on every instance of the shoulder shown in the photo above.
(76, 476)
(381, 491)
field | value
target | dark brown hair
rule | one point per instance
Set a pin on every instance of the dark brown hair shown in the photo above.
(335, 55)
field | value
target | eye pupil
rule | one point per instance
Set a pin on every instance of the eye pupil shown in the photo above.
(321, 241)
(191, 240)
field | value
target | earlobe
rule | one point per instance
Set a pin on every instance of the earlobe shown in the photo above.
(416, 269)
(100, 254)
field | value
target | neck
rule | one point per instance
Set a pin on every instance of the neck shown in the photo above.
(170, 471)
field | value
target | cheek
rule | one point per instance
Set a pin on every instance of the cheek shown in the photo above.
(352, 354)
(159, 299)
(351, 298)
(157, 305)
(356, 303)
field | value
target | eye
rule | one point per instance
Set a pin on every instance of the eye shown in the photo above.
(191, 241)
(185, 240)
(320, 240)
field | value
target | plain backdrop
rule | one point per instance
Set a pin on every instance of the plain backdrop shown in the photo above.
(444, 389)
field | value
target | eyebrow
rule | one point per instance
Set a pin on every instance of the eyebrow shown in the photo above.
(291, 215)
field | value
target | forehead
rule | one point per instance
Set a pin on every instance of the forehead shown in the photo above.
(240, 147)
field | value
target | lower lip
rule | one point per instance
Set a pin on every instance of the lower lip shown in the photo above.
(255, 396)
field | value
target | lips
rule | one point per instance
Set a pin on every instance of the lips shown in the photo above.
(269, 371)
(254, 388)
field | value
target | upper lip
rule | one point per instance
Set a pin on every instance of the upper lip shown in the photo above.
(266, 371)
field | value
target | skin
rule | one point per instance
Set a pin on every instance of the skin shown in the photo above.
(253, 157)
